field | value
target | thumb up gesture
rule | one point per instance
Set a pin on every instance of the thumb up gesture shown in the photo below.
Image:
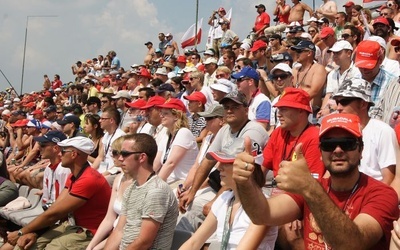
(294, 176)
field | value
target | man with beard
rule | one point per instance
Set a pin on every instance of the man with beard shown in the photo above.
(348, 210)
(383, 29)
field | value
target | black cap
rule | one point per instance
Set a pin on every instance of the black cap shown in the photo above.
(51, 108)
(165, 87)
(148, 43)
(260, 6)
(304, 44)
(70, 119)
(54, 136)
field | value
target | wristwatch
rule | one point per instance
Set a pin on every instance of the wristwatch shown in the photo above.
(20, 233)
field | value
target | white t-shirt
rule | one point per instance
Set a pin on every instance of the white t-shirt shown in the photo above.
(240, 224)
(107, 142)
(54, 182)
(380, 146)
(185, 139)
(274, 113)
(334, 79)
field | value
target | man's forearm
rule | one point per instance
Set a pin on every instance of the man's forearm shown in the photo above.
(201, 174)
(343, 233)
(254, 202)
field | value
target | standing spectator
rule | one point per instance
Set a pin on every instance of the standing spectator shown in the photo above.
(328, 10)
(297, 11)
(171, 47)
(149, 207)
(340, 21)
(215, 34)
(228, 36)
(150, 53)
(262, 20)
(57, 83)
(162, 43)
(115, 62)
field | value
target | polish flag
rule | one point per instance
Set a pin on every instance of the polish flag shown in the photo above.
(189, 38)
(369, 1)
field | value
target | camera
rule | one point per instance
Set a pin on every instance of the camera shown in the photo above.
(389, 4)
(276, 19)
(139, 118)
(46, 206)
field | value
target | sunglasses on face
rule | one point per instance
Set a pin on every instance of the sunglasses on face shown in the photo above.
(281, 76)
(345, 101)
(345, 36)
(345, 143)
(124, 153)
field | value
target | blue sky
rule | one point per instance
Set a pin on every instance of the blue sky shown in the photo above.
(87, 28)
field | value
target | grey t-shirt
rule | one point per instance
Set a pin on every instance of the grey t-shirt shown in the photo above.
(154, 200)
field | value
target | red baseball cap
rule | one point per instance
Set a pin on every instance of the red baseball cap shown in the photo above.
(37, 112)
(326, 31)
(196, 96)
(221, 9)
(145, 73)
(20, 123)
(382, 20)
(137, 104)
(258, 45)
(367, 54)
(348, 122)
(348, 4)
(154, 101)
(30, 105)
(294, 98)
(181, 59)
(173, 103)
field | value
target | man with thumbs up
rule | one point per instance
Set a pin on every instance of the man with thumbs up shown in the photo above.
(348, 210)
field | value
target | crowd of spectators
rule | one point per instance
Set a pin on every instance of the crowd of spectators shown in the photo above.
(285, 139)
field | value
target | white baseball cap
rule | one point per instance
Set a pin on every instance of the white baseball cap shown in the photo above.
(341, 45)
(81, 143)
(282, 66)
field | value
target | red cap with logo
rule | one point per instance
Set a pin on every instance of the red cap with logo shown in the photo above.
(349, 122)
(367, 54)
(294, 98)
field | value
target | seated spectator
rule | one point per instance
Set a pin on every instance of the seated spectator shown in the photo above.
(144, 223)
(197, 100)
(177, 154)
(221, 88)
(84, 201)
(227, 210)
(93, 128)
(121, 182)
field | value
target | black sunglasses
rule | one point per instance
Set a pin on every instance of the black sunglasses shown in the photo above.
(124, 153)
(345, 36)
(345, 101)
(281, 76)
(346, 144)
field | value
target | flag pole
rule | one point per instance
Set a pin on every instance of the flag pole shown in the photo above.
(195, 28)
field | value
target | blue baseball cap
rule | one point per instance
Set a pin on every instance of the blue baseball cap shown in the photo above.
(51, 136)
(247, 72)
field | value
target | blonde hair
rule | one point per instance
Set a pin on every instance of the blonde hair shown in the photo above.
(117, 144)
(224, 70)
(182, 121)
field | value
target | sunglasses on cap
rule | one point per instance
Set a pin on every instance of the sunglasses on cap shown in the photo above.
(280, 76)
(345, 143)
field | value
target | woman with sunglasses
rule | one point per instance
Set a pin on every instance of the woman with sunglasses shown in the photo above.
(95, 132)
(227, 218)
(121, 182)
(177, 153)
